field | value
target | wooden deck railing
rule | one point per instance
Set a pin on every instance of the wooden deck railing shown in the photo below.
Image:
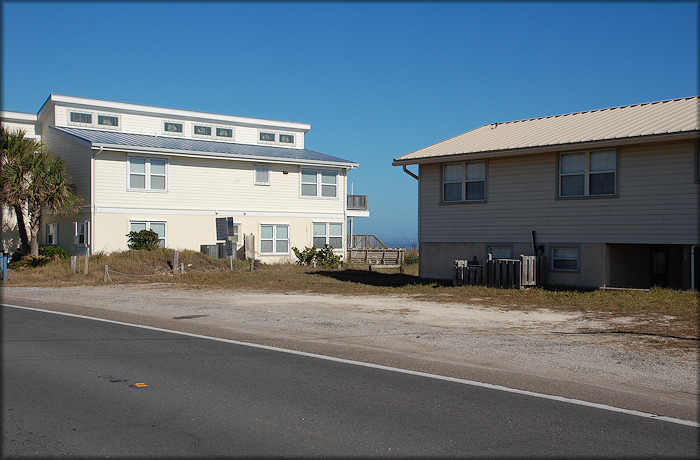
(357, 202)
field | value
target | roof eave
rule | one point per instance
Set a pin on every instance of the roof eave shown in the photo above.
(208, 155)
(550, 148)
(219, 156)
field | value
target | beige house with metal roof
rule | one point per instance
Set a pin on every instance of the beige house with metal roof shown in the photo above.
(608, 198)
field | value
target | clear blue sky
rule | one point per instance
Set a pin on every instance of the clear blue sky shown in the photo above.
(374, 80)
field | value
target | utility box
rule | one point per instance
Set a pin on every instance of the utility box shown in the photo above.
(212, 250)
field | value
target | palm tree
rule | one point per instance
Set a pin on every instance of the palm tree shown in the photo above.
(15, 151)
(34, 181)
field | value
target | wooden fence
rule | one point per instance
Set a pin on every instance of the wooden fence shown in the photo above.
(502, 273)
(377, 257)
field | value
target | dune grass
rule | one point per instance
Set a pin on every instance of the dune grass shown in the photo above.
(666, 312)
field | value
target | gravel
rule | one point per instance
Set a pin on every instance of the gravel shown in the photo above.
(543, 351)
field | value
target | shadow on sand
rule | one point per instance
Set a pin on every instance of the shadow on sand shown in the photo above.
(373, 278)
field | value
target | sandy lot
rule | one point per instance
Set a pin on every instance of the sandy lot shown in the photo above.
(540, 351)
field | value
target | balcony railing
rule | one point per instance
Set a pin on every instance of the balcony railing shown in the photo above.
(357, 202)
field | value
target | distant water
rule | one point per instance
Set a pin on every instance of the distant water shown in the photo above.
(402, 244)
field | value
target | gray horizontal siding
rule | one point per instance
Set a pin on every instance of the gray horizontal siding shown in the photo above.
(657, 202)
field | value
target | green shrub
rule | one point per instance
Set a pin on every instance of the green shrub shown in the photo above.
(29, 261)
(324, 258)
(305, 257)
(144, 239)
(53, 252)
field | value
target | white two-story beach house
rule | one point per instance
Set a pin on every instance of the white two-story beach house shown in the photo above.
(176, 171)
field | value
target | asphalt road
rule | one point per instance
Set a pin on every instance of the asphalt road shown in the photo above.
(67, 387)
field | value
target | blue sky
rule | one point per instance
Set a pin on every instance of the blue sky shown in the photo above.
(374, 80)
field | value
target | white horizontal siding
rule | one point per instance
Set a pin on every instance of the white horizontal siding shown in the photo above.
(77, 161)
(153, 126)
(28, 128)
(205, 184)
(657, 202)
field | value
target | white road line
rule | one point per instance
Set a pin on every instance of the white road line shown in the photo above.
(387, 368)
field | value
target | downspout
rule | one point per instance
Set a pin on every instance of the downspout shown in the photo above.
(405, 169)
(92, 197)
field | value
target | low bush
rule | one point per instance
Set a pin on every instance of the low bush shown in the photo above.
(29, 262)
(53, 252)
(144, 239)
(325, 257)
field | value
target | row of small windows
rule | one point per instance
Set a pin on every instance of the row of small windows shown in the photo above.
(580, 174)
(175, 127)
(86, 119)
(269, 137)
(178, 128)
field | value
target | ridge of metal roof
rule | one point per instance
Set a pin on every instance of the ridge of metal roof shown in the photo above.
(116, 140)
(671, 117)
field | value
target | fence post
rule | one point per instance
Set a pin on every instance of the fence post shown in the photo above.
(106, 277)
(176, 262)
(87, 257)
(73, 263)
(182, 268)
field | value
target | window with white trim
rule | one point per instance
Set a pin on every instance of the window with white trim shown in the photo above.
(226, 133)
(465, 181)
(587, 173)
(500, 252)
(262, 175)
(108, 121)
(81, 233)
(236, 233)
(286, 138)
(330, 233)
(276, 138)
(274, 239)
(267, 137)
(319, 183)
(565, 259)
(156, 226)
(173, 127)
(51, 234)
(147, 173)
(80, 118)
(201, 130)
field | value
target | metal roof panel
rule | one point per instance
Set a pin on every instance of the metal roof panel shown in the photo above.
(195, 147)
(626, 122)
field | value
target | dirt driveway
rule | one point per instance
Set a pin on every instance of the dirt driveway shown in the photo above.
(541, 351)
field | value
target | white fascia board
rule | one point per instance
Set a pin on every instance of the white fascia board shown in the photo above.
(17, 116)
(222, 156)
(123, 107)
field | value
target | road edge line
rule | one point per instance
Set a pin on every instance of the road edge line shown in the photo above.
(473, 383)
